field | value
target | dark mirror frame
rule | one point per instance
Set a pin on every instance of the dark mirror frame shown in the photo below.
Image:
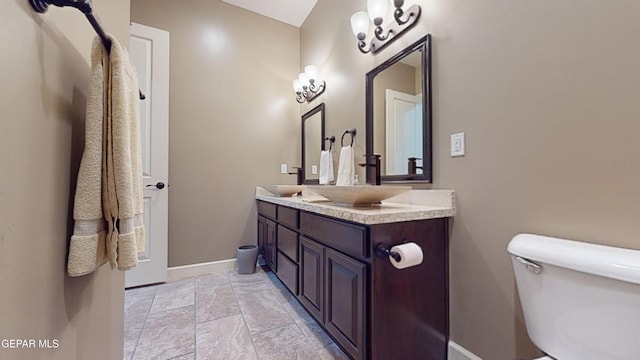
(307, 115)
(423, 44)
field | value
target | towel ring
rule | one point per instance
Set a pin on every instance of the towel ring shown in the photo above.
(331, 139)
(352, 132)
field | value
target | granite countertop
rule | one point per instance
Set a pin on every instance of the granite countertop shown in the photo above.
(412, 205)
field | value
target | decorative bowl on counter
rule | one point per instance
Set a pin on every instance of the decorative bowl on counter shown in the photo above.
(284, 190)
(358, 195)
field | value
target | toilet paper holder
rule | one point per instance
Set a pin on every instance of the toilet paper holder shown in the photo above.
(383, 251)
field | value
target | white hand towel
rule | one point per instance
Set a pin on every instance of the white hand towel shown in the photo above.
(346, 167)
(326, 167)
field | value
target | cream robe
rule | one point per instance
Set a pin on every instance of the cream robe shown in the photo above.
(108, 203)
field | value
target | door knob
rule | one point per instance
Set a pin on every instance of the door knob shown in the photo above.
(159, 185)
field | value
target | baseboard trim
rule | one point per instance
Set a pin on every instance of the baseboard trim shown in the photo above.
(457, 352)
(179, 272)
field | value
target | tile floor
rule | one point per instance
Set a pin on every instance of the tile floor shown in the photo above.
(222, 316)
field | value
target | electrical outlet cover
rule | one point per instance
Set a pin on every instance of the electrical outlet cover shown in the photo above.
(457, 144)
(283, 168)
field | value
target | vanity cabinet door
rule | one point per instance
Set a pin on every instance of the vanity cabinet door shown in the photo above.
(261, 235)
(288, 273)
(345, 302)
(270, 244)
(312, 277)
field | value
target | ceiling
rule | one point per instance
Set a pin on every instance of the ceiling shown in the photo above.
(292, 12)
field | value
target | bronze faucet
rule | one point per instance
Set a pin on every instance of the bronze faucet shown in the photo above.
(374, 162)
(298, 173)
(412, 166)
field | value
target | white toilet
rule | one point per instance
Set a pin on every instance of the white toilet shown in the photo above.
(581, 301)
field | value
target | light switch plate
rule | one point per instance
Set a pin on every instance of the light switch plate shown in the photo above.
(314, 169)
(457, 144)
(283, 168)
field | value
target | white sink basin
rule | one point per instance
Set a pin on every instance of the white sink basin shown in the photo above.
(283, 190)
(359, 195)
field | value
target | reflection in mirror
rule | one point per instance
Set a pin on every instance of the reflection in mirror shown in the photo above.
(312, 144)
(398, 123)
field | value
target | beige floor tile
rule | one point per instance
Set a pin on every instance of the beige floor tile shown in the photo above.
(215, 303)
(191, 356)
(144, 292)
(167, 334)
(282, 293)
(242, 317)
(332, 352)
(262, 311)
(132, 329)
(315, 334)
(237, 279)
(174, 295)
(224, 339)
(284, 343)
(297, 312)
(213, 280)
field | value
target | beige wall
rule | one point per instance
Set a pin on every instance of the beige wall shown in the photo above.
(547, 94)
(233, 120)
(44, 70)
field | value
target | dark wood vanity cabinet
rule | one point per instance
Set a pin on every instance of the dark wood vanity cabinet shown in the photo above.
(332, 289)
(371, 309)
(287, 252)
(278, 241)
(345, 301)
(267, 234)
(312, 277)
(267, 241)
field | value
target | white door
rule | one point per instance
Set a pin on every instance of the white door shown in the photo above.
(403, 131)
(149, 51)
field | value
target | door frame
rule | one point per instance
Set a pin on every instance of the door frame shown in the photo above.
(153, 263)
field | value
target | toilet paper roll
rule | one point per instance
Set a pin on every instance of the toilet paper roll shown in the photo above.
(410, 255)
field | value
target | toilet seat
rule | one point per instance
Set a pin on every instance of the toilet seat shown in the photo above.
(545, 358)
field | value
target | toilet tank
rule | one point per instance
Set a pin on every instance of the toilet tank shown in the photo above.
(580, 301)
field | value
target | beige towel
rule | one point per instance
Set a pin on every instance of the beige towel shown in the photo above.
(346, 167)
(123, 175)
(108, 201)
(87, 249)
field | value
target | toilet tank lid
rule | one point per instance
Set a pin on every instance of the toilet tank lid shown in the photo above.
(607, 261)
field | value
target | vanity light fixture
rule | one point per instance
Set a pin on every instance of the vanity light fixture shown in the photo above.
(307, 86)
(376, 11)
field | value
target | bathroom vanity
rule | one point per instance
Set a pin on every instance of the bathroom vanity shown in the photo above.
(325, 254)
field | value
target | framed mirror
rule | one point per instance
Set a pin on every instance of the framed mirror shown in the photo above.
(312, 144)
(398, 115)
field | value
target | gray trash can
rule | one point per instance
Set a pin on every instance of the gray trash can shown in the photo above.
(247, 256)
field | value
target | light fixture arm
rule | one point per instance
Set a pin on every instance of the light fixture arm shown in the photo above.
(310, 91)
(379, 33)
(414, 11)
(404, 20)
(362, 47)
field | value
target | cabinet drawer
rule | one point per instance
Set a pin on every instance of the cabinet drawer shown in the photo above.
(337, 234)
(288, 242)
(288, 216)
(288, 273)
(267, 209)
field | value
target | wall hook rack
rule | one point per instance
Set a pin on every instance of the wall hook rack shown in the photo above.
(331, 139)
(351, 132)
